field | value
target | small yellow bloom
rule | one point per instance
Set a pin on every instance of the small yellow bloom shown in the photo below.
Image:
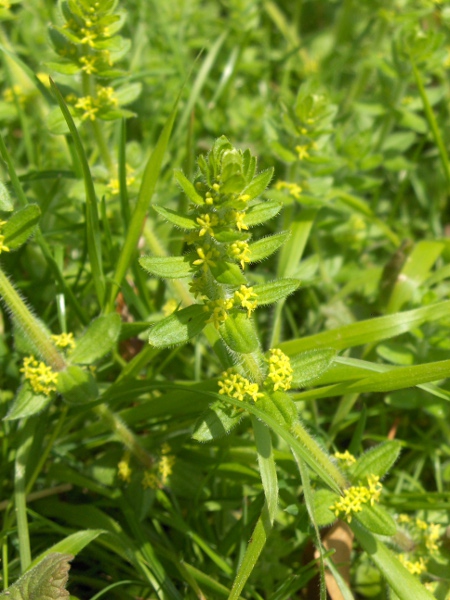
(240, 251)
(123, 468)
(86, 104)
(345, 457)
(293, 188)
(88, 64)
(64, 340)
(207, 222)
(356, 496)
(165, 466)
(169, 307)
(280, 370)
(414, 567)
(3, 247)
(238, 217)
(41, 377)
(218, 310)
(302, 152)
(206, 256)
(234, 385)
(247, 298)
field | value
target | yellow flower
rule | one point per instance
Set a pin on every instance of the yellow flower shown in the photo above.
(206, 255)
(302, 152)
(345, 457)
(41, 377)
(3, 247)
(169, 307)
(88, 64)
(293, 188)
(64, 340)
(234, 385)
(207, 222)
(240, 251)
(356, 496)
(238, 217)
(280, 370)
(218, 310)
(414, 567)
(165, 467)
(247, 298)
(86, 103)
(123, 468)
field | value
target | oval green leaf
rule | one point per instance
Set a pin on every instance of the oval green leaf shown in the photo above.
(182, 221)
(170, 267)
(21, 226)
(309, 365)
(268, 293)
(76, 385)
(262, 212)
(99, 339)
(178, 327)
(27, 403)
(239, 334)
(264, 247)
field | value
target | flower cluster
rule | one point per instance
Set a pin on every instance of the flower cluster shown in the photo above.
(3, 247)
(64, 340)
(423, 542)
(280, 370)
(165, 467)
(219, 238)
(41, 377)
(124, 469)
(88, 43)
(345, 457)
(356, 496)
(293, 188)
(235, 386)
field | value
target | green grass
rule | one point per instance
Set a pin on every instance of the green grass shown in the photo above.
(159, 486)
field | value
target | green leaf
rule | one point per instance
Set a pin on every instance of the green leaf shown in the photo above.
(99, 339)
(92, 222)
(21, 226)
(27, 403)
(6, 203)
(227, 273)
(127, 94)
(259, 184)
(239, 334)
(46, 581)
(169, 267)
(178, 327)
(148, 184)
(266, 246)
(217, 421)
(371, 330)
(77, 385)
(188, 188)
(283, 405)
(262, 212)
(405, 585)
(268, 293)
(175, 218)
(309, 365)
(377, 460)
(322, 500)
(266, 464)
(72, 544)
(377, 520)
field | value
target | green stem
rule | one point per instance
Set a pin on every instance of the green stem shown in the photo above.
(319, 455)
(20, 492)
(32, 327)
(125, 436)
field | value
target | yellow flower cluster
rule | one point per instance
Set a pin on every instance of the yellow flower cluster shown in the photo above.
(41, 377)
(3, 247)
(416, 567)
(165, 468)
(123, 468)
(280, 370)
(345, 457)
(114, 185)
(294, 189)
(235, 386)
(104, 99)
(425, 534)
(218, 310)
(240, 251)
(207, 222)
(356, 496)
(64, 340)
(246, 297)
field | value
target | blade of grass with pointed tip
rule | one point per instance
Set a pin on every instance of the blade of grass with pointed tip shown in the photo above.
(149, 179)
(92, 221)
(371, 330)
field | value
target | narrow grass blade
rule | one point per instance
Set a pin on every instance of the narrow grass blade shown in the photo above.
(266, 463)
(149, 179)
(371, 330)
(92, 220)
(405, 585)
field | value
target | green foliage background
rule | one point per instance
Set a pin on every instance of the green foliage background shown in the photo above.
(349, 102)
